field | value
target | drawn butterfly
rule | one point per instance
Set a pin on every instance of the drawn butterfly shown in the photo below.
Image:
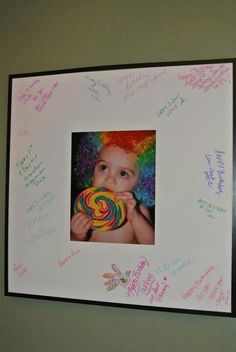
(117, 278)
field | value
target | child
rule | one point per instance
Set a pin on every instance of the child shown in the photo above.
(124, 164)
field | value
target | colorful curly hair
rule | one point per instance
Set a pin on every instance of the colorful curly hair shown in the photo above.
(142, 143)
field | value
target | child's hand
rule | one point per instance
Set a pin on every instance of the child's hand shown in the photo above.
(80, 224)
(130, 202)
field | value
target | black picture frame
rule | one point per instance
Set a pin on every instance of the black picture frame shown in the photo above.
(194, 273)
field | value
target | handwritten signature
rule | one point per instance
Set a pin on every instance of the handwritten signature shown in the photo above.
(206, 77)
(36, 95)
(215, 174)
(39, 222)
(97, 88)
(209, 286)
(134, 82)
(20, 269)
(210, 209)
(30, 168)
(174, 267)
(171, 105)
(66, 259)
(138, 282)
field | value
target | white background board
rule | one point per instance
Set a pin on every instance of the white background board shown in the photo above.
(190, 107)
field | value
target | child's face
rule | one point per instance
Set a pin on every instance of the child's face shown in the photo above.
(115, 170)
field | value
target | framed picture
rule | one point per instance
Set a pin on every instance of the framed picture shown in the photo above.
(120, 186)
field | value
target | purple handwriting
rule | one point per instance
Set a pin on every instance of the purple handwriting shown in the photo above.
(66, 259)
(136, 81)
(206, 77)
(171, 105)
(20, 269)
(215, 173)
(36, 95)
(208, 286)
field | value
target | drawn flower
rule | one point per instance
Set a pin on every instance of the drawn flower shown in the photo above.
(117, 278)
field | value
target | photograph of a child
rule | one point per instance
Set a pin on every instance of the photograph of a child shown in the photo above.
(116, 171)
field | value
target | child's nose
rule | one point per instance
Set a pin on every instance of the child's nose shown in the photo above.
(111, 179)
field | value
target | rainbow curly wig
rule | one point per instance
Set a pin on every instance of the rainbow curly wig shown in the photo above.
(141, 143)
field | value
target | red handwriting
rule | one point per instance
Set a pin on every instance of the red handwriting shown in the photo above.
(20, 269)
(206, 77)
(63, 261)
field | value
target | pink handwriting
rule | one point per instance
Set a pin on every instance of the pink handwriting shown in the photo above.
(204, 291)
(206, 77)
(20, 269)
(23, 133)
(209, 287)
(216, 288)
(154, 289)
(159, 291)
(37, 95)
(224, 298)
(67, 258)
(146, 284)
(197, 283)
(134, 286)
(220, 297)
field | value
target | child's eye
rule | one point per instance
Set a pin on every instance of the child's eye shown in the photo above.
(103, 167)
(123, 173)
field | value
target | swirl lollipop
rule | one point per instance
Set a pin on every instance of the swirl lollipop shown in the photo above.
(101, 205)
